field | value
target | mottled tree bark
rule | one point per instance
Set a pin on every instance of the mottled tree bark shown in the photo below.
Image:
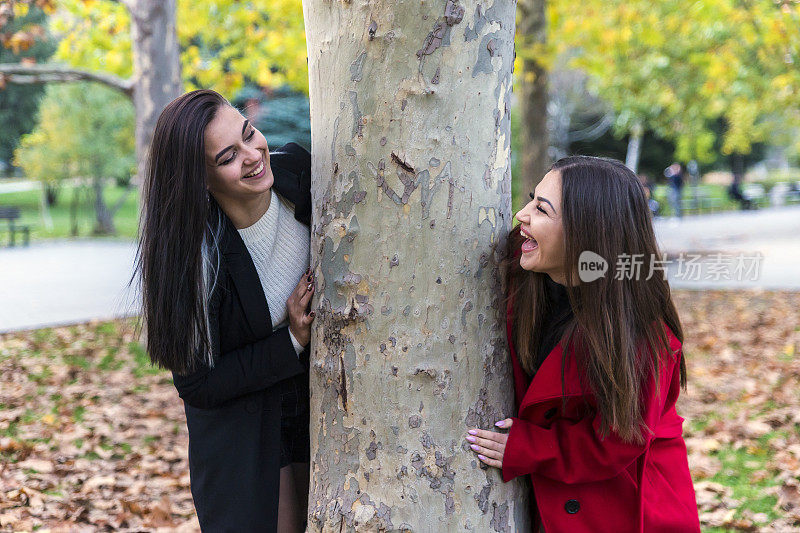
(411, 192)
(534, 141)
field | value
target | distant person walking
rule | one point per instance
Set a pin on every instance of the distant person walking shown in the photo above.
(674, 174)
(735, 188)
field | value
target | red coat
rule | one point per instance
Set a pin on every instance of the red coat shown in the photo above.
(583, 483)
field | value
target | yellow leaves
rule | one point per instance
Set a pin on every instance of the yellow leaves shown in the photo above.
(20, 42)
(682, 66)
(785, 85)
(529, 77)
(95, 36)
(115, 61)
(789, 350)
(742, 127)
(625, 34)
(21, 9)
(248, 40)
(666, 97)
(748, 34)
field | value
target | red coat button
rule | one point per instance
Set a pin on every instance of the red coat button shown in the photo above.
(572, 506)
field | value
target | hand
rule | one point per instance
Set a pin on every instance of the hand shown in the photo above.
(297, 305)
(489, 445)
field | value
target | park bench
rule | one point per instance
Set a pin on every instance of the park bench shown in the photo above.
(703, 202)
(755, 193)
(785, 193)
(793, 195)
(11, 213)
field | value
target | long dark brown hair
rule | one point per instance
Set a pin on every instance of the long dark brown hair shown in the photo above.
(178, 259)
(617, 332)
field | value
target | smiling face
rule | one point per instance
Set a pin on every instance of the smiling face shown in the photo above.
(237, 157)
(540, 222)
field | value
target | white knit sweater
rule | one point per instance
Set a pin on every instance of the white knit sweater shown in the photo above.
(279, 246)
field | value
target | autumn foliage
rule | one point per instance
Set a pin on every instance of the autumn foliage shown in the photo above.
(92, 437)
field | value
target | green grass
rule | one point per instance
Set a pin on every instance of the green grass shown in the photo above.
(110, 361)
(78, 414)
(80, 361)
(143, 365)
(738, 467)
(41, 376)
(29, 202)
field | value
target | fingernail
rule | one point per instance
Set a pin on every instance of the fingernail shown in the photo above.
(474, 447)
(472, 432)
(471, 439)
(309, 287)
(481, 457)
(500, 424)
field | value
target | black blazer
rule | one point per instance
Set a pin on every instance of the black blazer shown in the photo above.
(233, 411)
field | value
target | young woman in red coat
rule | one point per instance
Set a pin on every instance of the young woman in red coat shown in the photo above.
(598, 364)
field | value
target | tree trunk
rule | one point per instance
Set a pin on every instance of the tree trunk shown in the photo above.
(156, 66)
(73, 211)
(634, 148)
(534, 140)
(51, 194)
(411, 190)
(104, 222)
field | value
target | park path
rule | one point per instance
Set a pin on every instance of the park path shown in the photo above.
(773, 233)
(22, 185)
(66, 282)
(69, 282)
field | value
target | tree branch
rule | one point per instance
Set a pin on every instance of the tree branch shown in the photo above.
(594, 131)
(27, 74)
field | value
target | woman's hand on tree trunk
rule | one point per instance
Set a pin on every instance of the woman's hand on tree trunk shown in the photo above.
(298, 304)
(490, 445)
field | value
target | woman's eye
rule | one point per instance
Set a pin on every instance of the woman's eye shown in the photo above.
(252, 132)
(231, 158)
(540, 209)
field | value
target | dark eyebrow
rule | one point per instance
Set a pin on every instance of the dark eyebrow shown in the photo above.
(244, 128)
(548, 202)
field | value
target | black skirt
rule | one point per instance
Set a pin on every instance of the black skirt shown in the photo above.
(295, 447)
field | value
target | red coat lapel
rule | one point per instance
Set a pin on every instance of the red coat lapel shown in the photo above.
(546, 383)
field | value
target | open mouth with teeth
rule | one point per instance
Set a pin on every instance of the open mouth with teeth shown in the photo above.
(529, 244)
(257, 173)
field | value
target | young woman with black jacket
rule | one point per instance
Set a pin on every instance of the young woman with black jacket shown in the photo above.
(224, 239)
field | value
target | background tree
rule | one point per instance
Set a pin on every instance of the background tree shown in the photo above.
(411, 190)
(19, 104)
(85, 130)
(152, 50)
(156, 73)
(282, 114)
(534, 136)
(676, 69)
